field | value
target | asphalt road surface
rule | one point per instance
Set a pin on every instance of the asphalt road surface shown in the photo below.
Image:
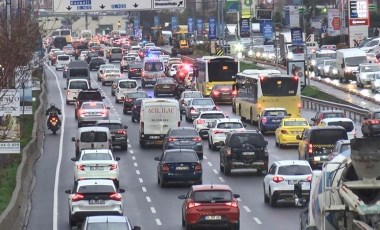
(145, 203)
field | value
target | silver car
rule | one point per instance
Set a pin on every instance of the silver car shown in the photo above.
(186, 96)
(101, 222)
(102, 68)
(366, 73)
(198, 105)
(90, 112)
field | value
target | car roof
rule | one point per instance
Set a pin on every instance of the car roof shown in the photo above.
(292, 162)
(229, 120)
(208, 187)
(89, 102)
(183, 128)
(179, 150)
(128, 80)
(325, 127)
(332, 119)
(115, 121)
(107, 219)
(211, 112)
(95, 182)
(96, 151)
(294, 119)
(93, 128)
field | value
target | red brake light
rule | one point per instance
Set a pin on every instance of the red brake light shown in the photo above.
(113, 166)
(172, 139)
(310, 149)
(374, 122)
(192, 110)
(193, 204)
(198, 168)
(234, 93)
(121, 132)
(278, 179)
(232, 204)
(142, 127)
(215, 93)
(218, 131)
(264, 120)
(77, 197)
(128, 100)
(308, 178)
(165, 168)
(197, 139)
(104, 111)
(80, 167)
(200, 121)
(115, 196)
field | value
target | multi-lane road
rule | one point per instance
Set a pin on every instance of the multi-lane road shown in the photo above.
(146, 203)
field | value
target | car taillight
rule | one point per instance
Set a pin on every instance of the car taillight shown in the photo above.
(229, 152)
(234, 93)
(217, 131)
(198, 167)
(128, 100)
(121, 132)
(172, 139)
(200, 121)
(192, 110)
(68, 93)
(284, 132)
(115, 196)
(113, 166)
(308, 178)
(77, 197)
(374, 122)
(197, 139)
(81, 112)
(299, 106)
(310, 149)
(165, 168)
(264, 120)
(193, 204)
(183, 102)
(114, 86)
(232, 204)
(215, 93)
(104, 111)
(134, 107)
(278, 179)
(80, 167)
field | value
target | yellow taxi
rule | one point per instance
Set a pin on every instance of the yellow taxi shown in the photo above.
(286, 133)
(95, 40)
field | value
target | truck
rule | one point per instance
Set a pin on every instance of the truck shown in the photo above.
(345, 194)
(287, 50)
(181, 41)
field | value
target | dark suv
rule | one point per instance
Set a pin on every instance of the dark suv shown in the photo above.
(87, 95)
(244, 150)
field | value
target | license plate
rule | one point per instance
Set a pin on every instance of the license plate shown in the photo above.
(96, 202)
(292, 182)
(248, 153)
(182, 168)
(96, 168)
(154, 137)
(213, 217)
(166, 87)
(54, 123)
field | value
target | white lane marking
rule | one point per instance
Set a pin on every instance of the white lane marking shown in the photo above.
(131, 151)
(143, 189)
(257, 220)
(138, 172)
(221, 179)
(246, 209)
(204, 157)
(215, 171)
(129, 146)
(128, 140)
(209, 163)
(153, 210)
(158, 222)
(135, 164)
(59, 161)
(141, 180)
(134, 158)
(148, 199)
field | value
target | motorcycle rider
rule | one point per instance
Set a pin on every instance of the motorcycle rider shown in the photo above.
(53, 112)
(52, 109)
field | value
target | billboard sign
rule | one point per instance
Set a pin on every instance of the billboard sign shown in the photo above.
(190, 25)
(199, 26)
(174, 23)
(334, 23)
(24, 85)
(156, 21)
(232, 6)
(292, 16)
(267, 30)
(247, 6)
(297, 69)
(245, 28)
(358, 21)
(296, 36)
(357, 34)
(136, 26)
(262, 14)
(212, 28)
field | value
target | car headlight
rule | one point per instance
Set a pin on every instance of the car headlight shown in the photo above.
(334, 71)
(347, 70)
(313, 62)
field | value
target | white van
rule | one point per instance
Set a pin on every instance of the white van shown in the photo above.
(371, 45)
(157, 116)
(348, 61)
(153, 68)
(94, 137)
(62, 61)
(74, 87)
(344, 122)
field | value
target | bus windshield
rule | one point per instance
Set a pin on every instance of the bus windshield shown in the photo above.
(65, 32)
(279, 86)
(222, 70)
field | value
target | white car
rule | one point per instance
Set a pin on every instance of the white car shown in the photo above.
(74, 87)
(62, 61)
(365, 73)
(345, 122)
(186, 96)
(92, 111)
(206, 118)
(96, 164)
(110, 75)
(102, 68)
(134, 54)
(172, 70)
(375, 83)
(94, 197)
(124, 86)
(219, 128)
(281, 177)
(83, 55)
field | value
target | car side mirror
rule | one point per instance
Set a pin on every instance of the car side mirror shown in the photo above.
(65, 88)
(236, 196)
(68, 191)
(103, 97)
(182, 197)
(73, 139)
(312, 119)
(157, 158)
(125, 126)
(117, 158)
(266, 142)
(298, 137)
(73, 159)
(108, 108)
(121, 190)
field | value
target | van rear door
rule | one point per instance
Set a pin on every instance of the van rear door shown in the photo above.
(94, 140)
(158, 119)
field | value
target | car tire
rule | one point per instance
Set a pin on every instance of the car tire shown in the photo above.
(142, 84)
(142, 144)
(155, 94)
(124, 147)
(71, 221)
(227, 170)
(183, 221)
(233, 108)
(67, 103)
(199, 182)
(213, 147)
(79, 125)
(189, 227)
(364, 133)
(113, 94)
(117, 184)
(221, 167)
(236, 226)
(266, 198)
(162, 183)
(272, 200)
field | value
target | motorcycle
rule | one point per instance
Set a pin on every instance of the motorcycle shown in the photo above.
(53, 122)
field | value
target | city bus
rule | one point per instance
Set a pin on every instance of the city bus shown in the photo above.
(213, 70)
(63, 32)
(259, 89)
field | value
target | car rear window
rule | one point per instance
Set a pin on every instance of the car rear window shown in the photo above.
(376, 115)
(112, 71)
(96, 189)
(111, 126)
(347, 125)
(117, 50)
(96, 156)
(202, 102)
(129, 58)
(108, 225)
(192, 95)
(180, 156)
(212, 196)
(93, 137)
(127, 84)
(295, 123)
(223, 87)
(183, 133)
(332, 115)
(254, 139)
(154, 66)
(274, 113)
(78, 85)
(212, 116)
(166, 81)
(230, 125)
(78, 72)
(90, 96)
(327, 136)
(137, 95)
(294, 170)
(63, 58)
(92, 105)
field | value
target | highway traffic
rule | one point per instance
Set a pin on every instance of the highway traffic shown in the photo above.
(145, 202)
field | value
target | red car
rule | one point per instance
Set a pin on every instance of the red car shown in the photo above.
(210, 206)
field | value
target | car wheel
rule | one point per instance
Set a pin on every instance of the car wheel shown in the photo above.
(162, 183)
(143, 84)
(116, 101)
(221, 167)
(103, 83)
(79, 125)
(189, 227)
(209, 143)
(227, 170)
(124, 147)
(117, 184)
(71, 221)
(183, 220)
(113, 94)
(142, 144)
(198, 182)
(233, 108)
(364, 133)
(272, 200)
(266, 198)
(236, 226)
(67, 103)
(155, 94)
(213, 146)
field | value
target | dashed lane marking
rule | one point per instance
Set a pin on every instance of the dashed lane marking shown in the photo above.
(141, 180)
(138, 172)
(129, 146)
(246, 209)
(153, 210)
(158, 222)
(221, 179)
(209, 163)
(204, 157)
(134, 158)
(238, 199)
(131, 151)
(148, 199)
(257, 220)
(135, 164)
(143, 189)
(215, 171)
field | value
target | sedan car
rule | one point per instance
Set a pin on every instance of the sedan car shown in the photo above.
(91, 112)
(222, 93)
(91, 55)
(320, 115)
(125, 62)
(178, 166)
(96, 163)
(325, 67)
(118, 131)
(198, 105)
(130, 98)
(340, 147)
(98, 49)
(136, 110)
(289, 128)
(206, 118)
(110, 75)
(172, 70)
(219, 128)
(185, 97)
(69, 50)
(165, 86)
(135, 70)
(123, 87)
(94, 197)
(108, 222)
(270, 119)
(281, 177)
(211, 205)
(102, 68)
(184, 138)
(95, 63)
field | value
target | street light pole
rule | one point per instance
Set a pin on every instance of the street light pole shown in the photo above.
(274, 34)
(305, 45)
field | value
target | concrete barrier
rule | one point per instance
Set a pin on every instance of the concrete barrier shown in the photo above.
(14, 216)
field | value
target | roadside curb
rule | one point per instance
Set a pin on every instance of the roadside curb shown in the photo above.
(14, 216)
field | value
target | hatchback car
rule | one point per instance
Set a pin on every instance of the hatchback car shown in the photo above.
(118, 131)
(219, 128)
(96, 164)
(222, 93)
(365, 73)
(126, 61)
(371, 123)
(344, 122)
(102, 68)
(165, 86)
(114, 85)
(289, 128)
(270, 119)
(206, 118)
(90, 112)
(90, 55)
(179, 166)
(62, 61)
(184, 138)
(281, 178)
(110, 75)
(135, 70)
(94, 197)
(185, 97)
(95, 63)
(198, 105)
(108, 222)
(211, 205)
(130, 98)
(123, 87)
(340, 147)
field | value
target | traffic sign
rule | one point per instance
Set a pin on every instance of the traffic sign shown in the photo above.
(263, 14)
(66, 6)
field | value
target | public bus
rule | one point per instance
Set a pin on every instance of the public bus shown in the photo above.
(259, 89)
(86, 35)
(63, 32)
(213, 70)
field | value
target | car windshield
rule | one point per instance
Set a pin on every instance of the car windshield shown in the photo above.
(237, 140)
(274, 113)
(329, 62)
(328, 136)
(295, 123)
(376, 115)
(212, 115)
(192, 95)
(78, 72)
(345, 147)
(96, 156)
(108, 225)
(154, 66)
(355, 61)
(294, 170)
(63, 58)
(347, 125)
(112, 71)
(92, 105)
(111, 126)
(230, 125)
(78, 85)
(98, 188)
(180, 156)
(93, 137)
(183, 133)
(127, 84)
(212, 196)
(165, 81)
(372, 68)
(203, 102)
(136, 95)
